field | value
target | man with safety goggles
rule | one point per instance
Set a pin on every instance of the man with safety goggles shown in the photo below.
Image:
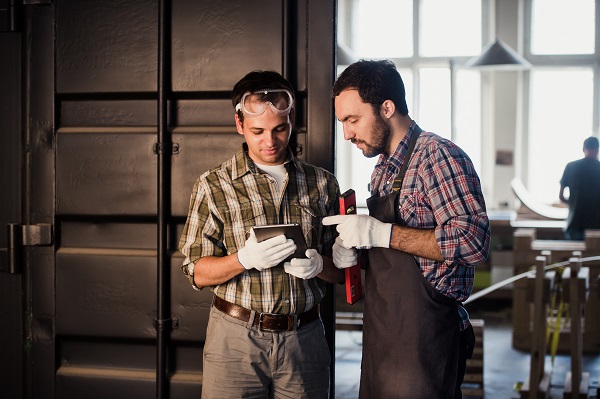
(264, 337)
(254, 104)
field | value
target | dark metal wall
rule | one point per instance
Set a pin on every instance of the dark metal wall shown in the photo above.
(11, 318)
(81, 152)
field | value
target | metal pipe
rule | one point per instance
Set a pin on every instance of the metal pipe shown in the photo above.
(289, 36)
(163, 323)
(26, 211)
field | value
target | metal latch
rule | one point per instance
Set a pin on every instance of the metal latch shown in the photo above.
(19, 236)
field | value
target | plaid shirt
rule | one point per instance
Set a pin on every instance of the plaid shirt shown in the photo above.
(230, 199)
(441, 191)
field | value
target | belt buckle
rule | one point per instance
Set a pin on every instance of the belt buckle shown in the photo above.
(260, 321)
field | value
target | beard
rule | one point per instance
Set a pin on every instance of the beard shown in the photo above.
(380, 134)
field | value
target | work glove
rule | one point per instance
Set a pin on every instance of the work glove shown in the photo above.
(265, 254)
(343, 257)
(305, 268)
(361, 231)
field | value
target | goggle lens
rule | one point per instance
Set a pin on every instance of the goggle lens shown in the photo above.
(254, 104)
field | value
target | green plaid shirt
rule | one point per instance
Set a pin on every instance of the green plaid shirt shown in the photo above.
(230, 199)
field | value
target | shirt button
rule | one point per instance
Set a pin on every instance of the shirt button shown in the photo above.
(287, 301)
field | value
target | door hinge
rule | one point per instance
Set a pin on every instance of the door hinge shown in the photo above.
(19, 236)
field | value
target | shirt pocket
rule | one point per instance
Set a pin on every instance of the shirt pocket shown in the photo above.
(236, 226)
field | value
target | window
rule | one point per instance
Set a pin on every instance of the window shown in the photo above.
(560, 90)
(460, 22)
(371, 26)
(527, 124)
(560, 27)
(427, 64)
(560, 119)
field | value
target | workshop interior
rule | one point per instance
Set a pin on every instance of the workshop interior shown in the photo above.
(111, 109)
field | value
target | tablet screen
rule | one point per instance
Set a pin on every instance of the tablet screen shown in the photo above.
(292, 230)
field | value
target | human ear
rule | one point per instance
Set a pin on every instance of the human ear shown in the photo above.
(388, 108)
(239, 125)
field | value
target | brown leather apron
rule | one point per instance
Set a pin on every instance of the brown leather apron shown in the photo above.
(410, 330)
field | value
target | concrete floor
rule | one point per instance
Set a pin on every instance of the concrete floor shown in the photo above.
(503, 366)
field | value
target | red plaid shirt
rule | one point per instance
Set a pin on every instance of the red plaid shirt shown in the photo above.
(441, 191)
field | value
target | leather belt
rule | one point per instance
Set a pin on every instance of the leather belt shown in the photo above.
(269, 322)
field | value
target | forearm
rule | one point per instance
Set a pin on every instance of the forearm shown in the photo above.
(214, 270)
(330, 273)
(561, 195)
(418, 242)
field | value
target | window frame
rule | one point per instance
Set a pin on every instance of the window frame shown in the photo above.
(417, 62)
(553, 61)
(498, 20)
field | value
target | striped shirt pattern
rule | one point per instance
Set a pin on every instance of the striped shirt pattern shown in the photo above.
(230, 199)
(441, 191)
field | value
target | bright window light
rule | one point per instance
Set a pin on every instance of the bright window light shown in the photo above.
(467, 132)
(460, 37)
(563, 27)
(434, 101)
(384, 28)
(561, 117)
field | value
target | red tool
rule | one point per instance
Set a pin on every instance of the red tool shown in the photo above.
(353, 276)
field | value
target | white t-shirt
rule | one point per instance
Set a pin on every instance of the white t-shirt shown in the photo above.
(277, 171)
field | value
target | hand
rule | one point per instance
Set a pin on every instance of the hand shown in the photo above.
(361, 231)
(305, 268)
(343, 257)
(265, 254)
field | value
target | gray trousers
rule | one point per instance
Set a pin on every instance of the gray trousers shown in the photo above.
(240, 361)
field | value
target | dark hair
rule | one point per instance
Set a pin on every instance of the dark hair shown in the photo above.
(257, 80)
(591, 143)
(376, 81)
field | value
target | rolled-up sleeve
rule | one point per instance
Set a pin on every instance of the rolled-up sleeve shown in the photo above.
(454, 192)
(201, 231)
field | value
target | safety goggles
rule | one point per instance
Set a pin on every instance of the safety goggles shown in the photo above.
(255, 103)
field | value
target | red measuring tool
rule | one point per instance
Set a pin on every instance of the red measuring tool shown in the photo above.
(353, 276)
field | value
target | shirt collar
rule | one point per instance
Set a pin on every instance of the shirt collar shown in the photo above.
(243, 164)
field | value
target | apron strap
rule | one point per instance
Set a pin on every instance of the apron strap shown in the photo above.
(411, 146)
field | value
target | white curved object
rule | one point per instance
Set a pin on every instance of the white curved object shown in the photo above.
(530, 202)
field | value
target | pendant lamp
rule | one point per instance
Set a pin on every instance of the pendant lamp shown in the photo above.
(498, 55)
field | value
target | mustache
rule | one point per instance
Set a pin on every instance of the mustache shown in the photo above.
(355, 141)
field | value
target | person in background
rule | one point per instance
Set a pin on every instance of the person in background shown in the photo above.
(582, 177)
(426, 231)
(264, 336)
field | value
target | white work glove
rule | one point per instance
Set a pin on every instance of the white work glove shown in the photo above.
(361, 231)
(265, 254)
(343, 257)
(305, 268)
